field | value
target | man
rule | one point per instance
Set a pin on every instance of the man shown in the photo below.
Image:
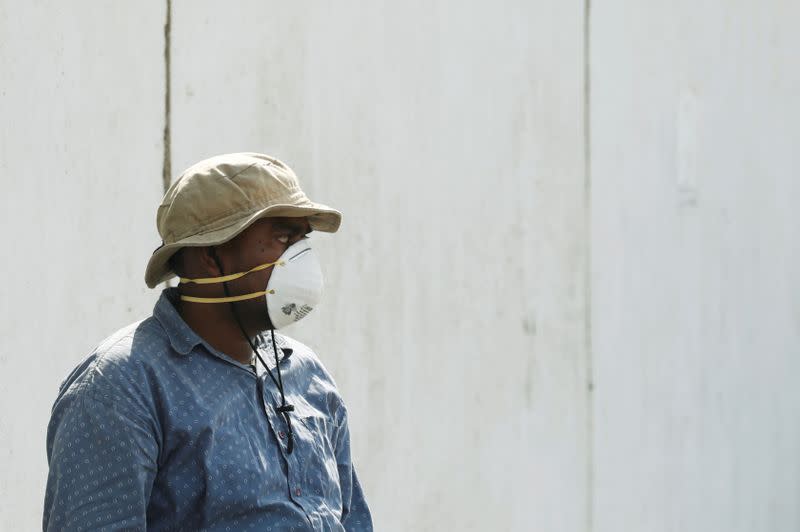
(202, 417)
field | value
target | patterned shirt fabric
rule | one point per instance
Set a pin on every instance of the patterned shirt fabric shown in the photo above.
(158, 430)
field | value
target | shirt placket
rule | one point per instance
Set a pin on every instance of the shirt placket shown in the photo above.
(296, 486)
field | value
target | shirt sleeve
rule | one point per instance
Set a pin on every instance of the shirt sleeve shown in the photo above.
(356, 515)
(103, 461)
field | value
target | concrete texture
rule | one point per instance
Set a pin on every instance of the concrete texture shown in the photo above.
(80, 165)
(538, 197)
(695, 262)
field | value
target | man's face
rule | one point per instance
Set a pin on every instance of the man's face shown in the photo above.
(263, 242)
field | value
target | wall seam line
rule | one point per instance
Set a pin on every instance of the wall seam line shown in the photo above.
(166, 163)
(166, 170)
(587, 161)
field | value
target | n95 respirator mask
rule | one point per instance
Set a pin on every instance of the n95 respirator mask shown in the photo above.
(294, 288)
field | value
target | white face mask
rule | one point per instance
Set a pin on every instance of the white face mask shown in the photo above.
(294, 287)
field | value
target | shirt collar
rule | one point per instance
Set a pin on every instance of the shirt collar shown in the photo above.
(181, 336)
(184, 339)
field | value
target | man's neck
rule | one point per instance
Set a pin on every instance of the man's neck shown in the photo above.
(217, 327)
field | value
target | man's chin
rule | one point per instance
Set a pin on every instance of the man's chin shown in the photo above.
(263, 326)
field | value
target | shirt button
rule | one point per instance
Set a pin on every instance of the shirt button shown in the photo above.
(297, 492)
(281, 434)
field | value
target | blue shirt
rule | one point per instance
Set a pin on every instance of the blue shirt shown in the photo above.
(158, 430)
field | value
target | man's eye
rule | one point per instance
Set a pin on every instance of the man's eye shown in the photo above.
(283, 239)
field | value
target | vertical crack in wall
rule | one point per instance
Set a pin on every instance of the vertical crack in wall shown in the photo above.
(166, 171)
(166, 167)
(587, 198)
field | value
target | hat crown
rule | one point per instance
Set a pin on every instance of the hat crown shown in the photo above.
(216, 191)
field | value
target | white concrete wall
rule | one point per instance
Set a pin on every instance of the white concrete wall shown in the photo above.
(81, 117)
(696, 265)
(450, 136)
(486, 270)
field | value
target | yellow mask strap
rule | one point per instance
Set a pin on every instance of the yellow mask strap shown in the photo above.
(231, 299)
(232, 276)
(224, 279)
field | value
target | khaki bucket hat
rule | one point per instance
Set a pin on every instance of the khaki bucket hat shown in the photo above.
(218, 198)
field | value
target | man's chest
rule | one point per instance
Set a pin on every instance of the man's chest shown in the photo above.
(225, 448)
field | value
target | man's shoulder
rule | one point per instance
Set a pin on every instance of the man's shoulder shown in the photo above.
(304, 354)
(113, 387)
(133, 342)
(314, 378)
(122, 360)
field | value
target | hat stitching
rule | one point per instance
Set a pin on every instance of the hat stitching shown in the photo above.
(242, 170)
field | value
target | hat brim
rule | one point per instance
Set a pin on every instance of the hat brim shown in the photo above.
(320, 217)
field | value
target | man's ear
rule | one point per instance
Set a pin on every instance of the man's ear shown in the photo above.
(212, 261)
(199, 262)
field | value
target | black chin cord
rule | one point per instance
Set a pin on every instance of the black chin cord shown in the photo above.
(284, 408)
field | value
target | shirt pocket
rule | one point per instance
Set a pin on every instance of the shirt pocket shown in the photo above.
(314, 436)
